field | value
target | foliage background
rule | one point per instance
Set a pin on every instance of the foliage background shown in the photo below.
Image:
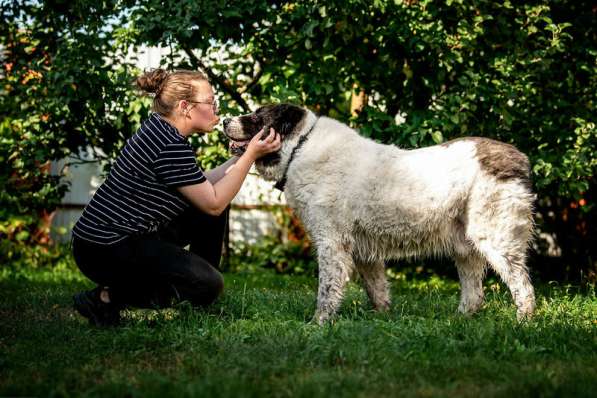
(521, 72)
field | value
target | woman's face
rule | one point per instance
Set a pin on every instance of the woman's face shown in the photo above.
(203, 109)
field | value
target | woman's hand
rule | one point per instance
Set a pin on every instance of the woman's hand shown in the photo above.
(214, 198)
(258, 147)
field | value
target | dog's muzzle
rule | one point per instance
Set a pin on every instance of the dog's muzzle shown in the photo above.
(237, 147)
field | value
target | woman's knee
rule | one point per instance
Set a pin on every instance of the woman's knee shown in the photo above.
(215, 286)
(205, 289)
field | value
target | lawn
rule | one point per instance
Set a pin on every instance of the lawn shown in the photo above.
(257, 341)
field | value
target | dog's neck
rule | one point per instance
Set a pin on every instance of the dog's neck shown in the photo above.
(313, 119)
(302, 139)
(282, 182)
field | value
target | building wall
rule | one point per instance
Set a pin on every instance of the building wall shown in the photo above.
(84, 180)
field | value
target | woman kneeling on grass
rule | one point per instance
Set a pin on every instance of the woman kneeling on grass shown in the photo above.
(155, 201)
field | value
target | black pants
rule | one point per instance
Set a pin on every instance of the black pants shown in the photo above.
(154, 270)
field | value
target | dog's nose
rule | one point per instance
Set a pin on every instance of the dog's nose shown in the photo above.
(227, 122)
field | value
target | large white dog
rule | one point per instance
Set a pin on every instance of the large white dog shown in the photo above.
(363, 202)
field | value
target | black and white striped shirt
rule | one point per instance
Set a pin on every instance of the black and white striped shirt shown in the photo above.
(139, 194)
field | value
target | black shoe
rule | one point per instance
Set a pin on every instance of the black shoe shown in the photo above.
(101, 314)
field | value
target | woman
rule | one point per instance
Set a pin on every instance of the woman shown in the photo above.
(156, 200)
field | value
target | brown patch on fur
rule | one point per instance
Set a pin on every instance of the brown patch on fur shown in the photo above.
(501, 160)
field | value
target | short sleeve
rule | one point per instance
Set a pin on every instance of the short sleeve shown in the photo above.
(176, 166)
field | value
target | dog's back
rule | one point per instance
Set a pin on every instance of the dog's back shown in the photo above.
(468, 198)
(363, 202)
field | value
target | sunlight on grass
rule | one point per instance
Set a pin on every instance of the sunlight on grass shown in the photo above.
(257, 340)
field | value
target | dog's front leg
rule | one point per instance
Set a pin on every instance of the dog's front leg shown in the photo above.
(334, 266)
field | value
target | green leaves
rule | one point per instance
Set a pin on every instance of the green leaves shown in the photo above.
(521, 73)
(59, 91)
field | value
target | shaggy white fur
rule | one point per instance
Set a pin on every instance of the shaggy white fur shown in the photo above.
(363, 202)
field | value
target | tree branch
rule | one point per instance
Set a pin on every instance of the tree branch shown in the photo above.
(197, 63)
(255, 79)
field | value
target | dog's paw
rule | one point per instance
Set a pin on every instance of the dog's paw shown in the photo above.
(322, 319)
(382, 307)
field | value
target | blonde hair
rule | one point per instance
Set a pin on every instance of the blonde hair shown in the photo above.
(169, 87)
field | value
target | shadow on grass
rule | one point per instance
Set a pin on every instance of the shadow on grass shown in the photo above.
(257, 340)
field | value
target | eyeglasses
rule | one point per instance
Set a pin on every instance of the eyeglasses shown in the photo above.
(215, 105)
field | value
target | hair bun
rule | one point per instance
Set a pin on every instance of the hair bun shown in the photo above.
(152, 81)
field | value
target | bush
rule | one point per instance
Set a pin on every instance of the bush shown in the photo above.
(520, 72)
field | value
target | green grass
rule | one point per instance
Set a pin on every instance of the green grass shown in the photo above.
(256, 341)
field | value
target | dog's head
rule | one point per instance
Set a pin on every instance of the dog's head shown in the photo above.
(285, 119)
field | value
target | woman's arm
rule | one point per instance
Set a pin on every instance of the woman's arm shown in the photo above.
(217, 173)
(214, 198)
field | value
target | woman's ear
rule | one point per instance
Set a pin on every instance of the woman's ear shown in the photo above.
(184, 107)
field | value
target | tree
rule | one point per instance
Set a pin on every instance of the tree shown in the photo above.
(59, 93)
(430, 71)
(521, 73)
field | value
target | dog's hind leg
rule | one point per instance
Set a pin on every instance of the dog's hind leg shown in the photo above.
(501, 227)
(335, 265)
(510, 266)
(471, 270)
(376, 284)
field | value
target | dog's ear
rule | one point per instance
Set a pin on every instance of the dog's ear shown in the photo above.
(270, 159)
(286, 117)
(265, 131)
